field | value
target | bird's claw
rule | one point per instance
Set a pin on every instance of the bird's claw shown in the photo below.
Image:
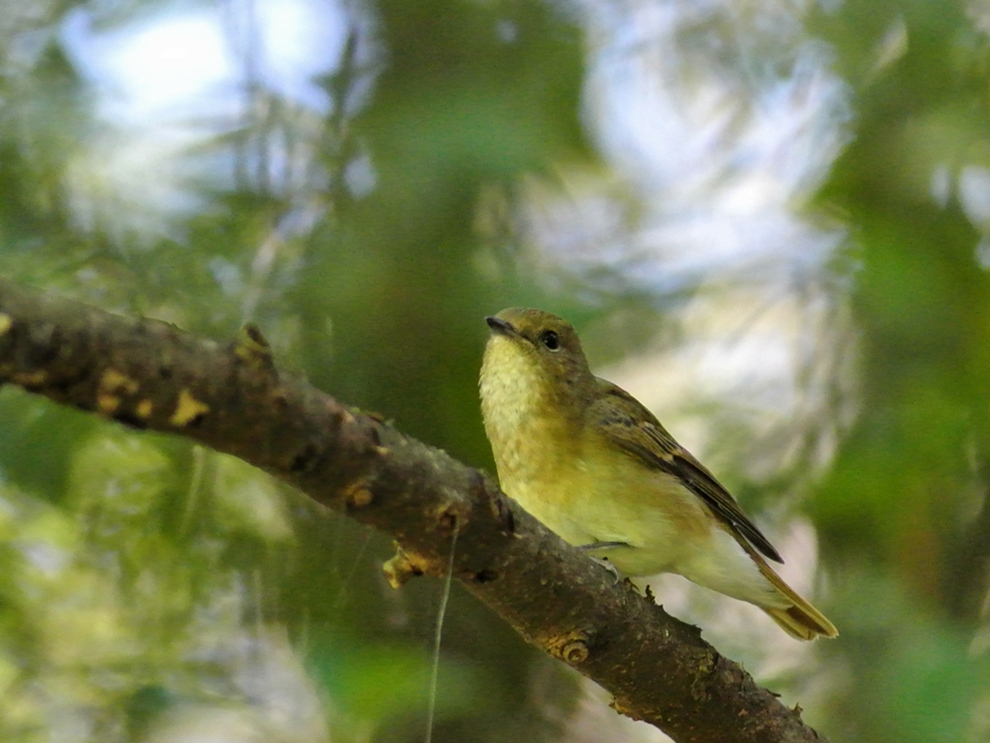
(603, 561)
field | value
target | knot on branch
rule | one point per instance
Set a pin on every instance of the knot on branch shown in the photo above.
(571, 648)
(450, 518)
(403, 567)
(623, 706)
(358, 494)
(252, 349)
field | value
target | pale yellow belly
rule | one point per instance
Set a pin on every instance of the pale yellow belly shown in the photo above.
(663, 526)
(587, 500)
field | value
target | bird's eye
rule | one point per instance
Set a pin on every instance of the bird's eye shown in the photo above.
(550, 340)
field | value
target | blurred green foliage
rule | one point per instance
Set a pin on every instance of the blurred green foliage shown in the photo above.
(152, 590)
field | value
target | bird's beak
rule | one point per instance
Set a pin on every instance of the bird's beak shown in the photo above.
(500, 326)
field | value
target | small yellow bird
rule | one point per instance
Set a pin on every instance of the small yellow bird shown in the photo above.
(596, 467)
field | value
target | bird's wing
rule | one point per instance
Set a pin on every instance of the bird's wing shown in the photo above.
(636, 430)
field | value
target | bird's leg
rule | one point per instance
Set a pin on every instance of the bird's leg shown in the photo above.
(594, 546)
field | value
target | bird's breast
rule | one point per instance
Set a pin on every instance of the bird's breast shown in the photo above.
(531, 443)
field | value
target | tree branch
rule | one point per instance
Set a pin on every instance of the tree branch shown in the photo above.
(148, 374)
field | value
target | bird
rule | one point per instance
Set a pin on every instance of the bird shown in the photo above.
(596, 467)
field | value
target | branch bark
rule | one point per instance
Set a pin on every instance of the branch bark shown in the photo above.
(232, 398)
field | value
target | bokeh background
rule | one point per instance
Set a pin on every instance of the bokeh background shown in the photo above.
(769, 220)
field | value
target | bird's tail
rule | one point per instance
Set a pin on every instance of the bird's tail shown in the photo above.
(800, 620)
(803, 621)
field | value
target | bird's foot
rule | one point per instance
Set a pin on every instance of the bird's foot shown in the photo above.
(604, 561)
